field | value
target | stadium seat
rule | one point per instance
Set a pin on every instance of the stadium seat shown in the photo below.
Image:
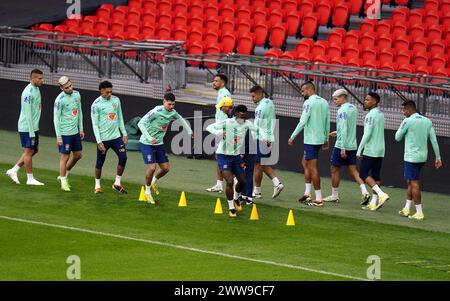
(416, 16)
(417, 30)
(195, 35)
(245, 44)
(228, 42)
(147, 28)
(436, 46)
(403, 57)
(134, 14)
(368, 39)
(292, 22)
(372, 64)
(400, 14)
(352, 37)
(340, 14)
(290, 5)
(337, 35)
(275, 17)
(243, 12)
(319, 47)
(103, 12)
(355, 6)
(117, 25)
(306, 6)
(351, 51)
(304, 46)
(261, 31)
(420, 59)
(212, 23)
(406, 68)
(431, 17)
(334, 50)
(399, 28)
(227, 11)
(309, 25)
(180, 33)
(149, 17)
(277, 35)
(101, 24)
(135, 4)
(323, 10)
(243, 25)
(227, 24)
(368, 53)
(212, 48)
(288, 55)
(273, 53)
(194, 48)
(274, 4)
(384, 26)
(434, 32)
(164, 32)
(386, 55)
(210, 37)
(149, 5)
(259, 15)
(419, 44)
(368, 25)
(197, 21)
(438, 60)
(180, 19)
(384, 41)
(211, 10)
(180, 6)
(164, 5)
(303, 57)
(445, 7)
(196, 7)
(400, 42)
(337, 60)
(132, 27)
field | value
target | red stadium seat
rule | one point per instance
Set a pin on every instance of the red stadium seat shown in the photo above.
(445, 7)
(165, 18)
(117, 26)
(103, 12)
(419, 44)
(386, 55)
(368, 25)
(243, 12)
(337, 60)
(368, 39)
(196, 7)
(274, 4)
(341, 14)
(275, 17)
(399, 28)
(334, 50)
(290, 5)
(303, 57)
(431, 4)
(147, 28)
(180, 6)
(401, 42)
(60, 28)
(319, 47)
(384, 26)
(384, 41)
(422, 69)
(400, 14)
(436, 46)
(323, 9)
(196, 21)
(212, 23)
(304, 46)
(180, 33)
(227, 11)
(403, 57)
(194, 48)
(273, 53)
(438, 60)
(149, 16)
(149, 5)
(245, 44)
(309, 25)
(435, 32)
(180, 19)
(406, 68)
(164, 32)
(228, 42)
(417, 30)
(195, 35)
(261, 31)
(368, 53)
(212, 48)
(164, 5)
(352, 37)
(132, 27)
(416, 16)
(101, 24)
(420, 59)
(134, 14)
(211, 37)
(259, 14)
(337, 35)
(289, 55)
(431, 17)
(211, 10)
(292, 22)
(372, 64)
(351, 51)
(227, 24)
(306, 6)
(355, 6)
(243, 25)
(277, 35)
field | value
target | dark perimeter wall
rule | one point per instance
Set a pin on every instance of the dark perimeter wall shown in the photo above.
(25, 13)
(392, 173)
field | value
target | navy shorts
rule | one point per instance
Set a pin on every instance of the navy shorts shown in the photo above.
(370, 164)
(71, 143)
(312, 151)
(118, 147)
(412, 170)
(230, 163)
(337, 160)
(153, 153)
(262, 151)
(27, 142)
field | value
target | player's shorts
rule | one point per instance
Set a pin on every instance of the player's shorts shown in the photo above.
(262, 151)
(412, 170)
(28, 142)
(312, 151)
(71, 143)
(337, 160)
(370, 165)
(153, 153)
(118, 147)
(232, 164)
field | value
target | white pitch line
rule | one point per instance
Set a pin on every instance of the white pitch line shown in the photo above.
(155, 242)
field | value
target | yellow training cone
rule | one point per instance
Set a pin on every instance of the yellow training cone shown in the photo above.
(254, 215)
(142, 195)
(218, 209)
(182, 202)
(290, 220)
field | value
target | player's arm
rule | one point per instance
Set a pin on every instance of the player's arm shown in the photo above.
(344, 128)
(80, 117)
(255, 129)
(216, 129)
(303, 120)
(144, 123)
(401, 132)
(56, 119)
(120, 119)
(368, 129)
(95, 117)
(434, 143)
(26, 103)
(184, 123)
(327, 130)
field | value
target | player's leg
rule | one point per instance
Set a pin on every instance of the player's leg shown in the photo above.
(148, 155)
(355, 175)
(315, 177)
(249, 160)
(101, 156)
(238, 181)
(406, 210)
(335, 170)
(258, 171)
(307, 194)
(229, 191)
(413, 175)
(373, 165)
(119, 148)
(77, 149)
(64, 158)
(159, 153)
(31, 150)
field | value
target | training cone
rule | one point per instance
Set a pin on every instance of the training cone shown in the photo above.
(182, 202)
(142, 195)
(290, 220)
(254, 215)
(218, 209)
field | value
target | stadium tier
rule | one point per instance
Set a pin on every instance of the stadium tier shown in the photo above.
(413, 41)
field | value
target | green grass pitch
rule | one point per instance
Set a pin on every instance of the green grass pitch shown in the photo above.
(119, 238)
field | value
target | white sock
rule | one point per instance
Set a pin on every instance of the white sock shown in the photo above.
(231, 204)
(257, 190)
(378, 190)
(307, 188)
(147, 190)
(16, 168)
(363, 189)
(118, 178)
(335, 192)
(235, 194)
(30, 177)
(67, 173)
(318, 194)
(374, 200)
(154, 180)
(419, 209)
(63, 180)
(97, 183)
(408, 205)
(219, 184)
(275, 182)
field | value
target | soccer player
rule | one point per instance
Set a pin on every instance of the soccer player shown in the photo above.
(315, 119)
(416, 130)
(28, 126)
(344, 151)
(154, 126)
(371, 151)
(68, 121)
(109, 131)
(265, 119)
(219, 83)
(232, 133)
